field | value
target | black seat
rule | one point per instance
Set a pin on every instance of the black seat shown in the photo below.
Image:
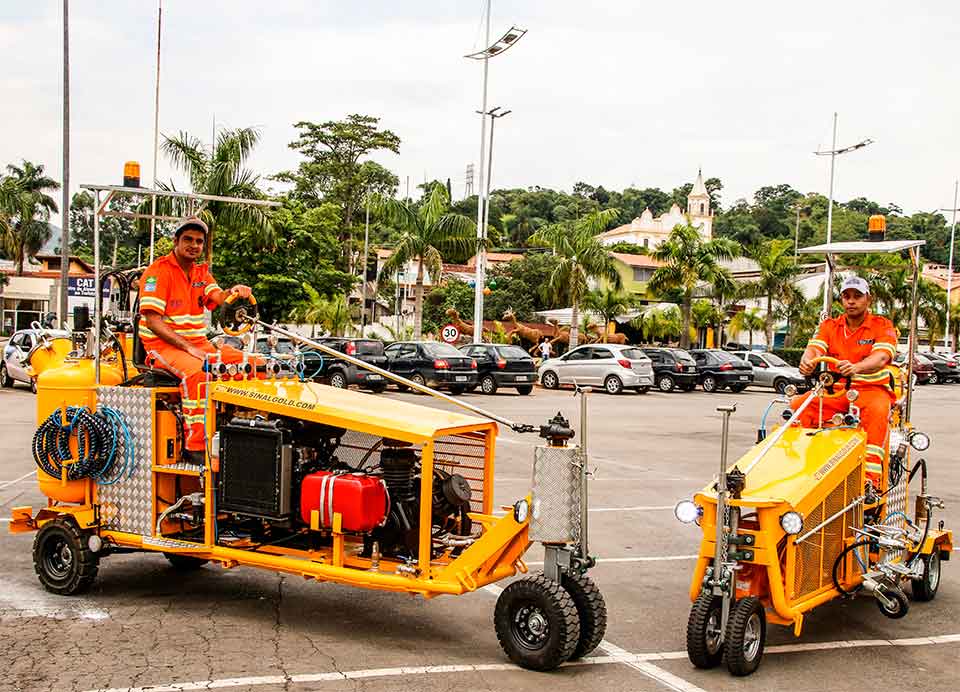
(148, 377)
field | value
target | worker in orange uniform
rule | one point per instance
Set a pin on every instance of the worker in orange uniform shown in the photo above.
(864, 344)
(174, 291)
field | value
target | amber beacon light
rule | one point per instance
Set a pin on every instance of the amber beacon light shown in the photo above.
(876, 227)
(131, 174)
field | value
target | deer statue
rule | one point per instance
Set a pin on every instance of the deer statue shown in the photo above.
(466, 329)
(598, 334)
(518, 329)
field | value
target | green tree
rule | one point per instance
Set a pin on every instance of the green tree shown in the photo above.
(25, 209)
(659, 324)
(931, 308)
(690, 260)
(777, 271)
(580, 259)
(424, 234)
(120, 238)
(703, 315)
(747, 321)
(223, 174)
(608, 304)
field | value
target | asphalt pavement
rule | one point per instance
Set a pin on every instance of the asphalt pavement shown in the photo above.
(144, 626)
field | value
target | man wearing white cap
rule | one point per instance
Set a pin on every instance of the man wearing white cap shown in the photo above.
(864, 344)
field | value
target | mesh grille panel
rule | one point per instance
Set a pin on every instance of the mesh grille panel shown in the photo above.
(808, 557)
(556, 495)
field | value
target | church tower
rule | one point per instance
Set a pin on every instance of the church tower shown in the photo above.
(698, 207)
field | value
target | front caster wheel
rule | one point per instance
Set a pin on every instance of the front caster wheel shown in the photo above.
(925, 588)
(704, 645)
(898, 604)
(537, 623)
(591, 609)
(746, 632)
(63, 561)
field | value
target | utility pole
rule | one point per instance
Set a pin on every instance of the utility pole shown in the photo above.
(363, 280)
(486, 207)
(481, 256)
(953, 227)
(65, 205)
(156, 132)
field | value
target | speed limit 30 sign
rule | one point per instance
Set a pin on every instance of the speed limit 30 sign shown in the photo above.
(450, 333)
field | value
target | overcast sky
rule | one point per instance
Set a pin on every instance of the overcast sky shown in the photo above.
(614, 93)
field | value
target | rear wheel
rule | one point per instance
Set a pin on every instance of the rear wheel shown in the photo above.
(550, 380)
(665, 383)
(418, 379)
(537, 623)
(704, 645)
(62, 560)
(591, 609)
(710, 384)
(5, 379)
(525, 389)
(746, 632)
(934, 378)
(780, 385)
(338, 380)
(185, 563)
(925, 588)
(488, 385)
(613, 385)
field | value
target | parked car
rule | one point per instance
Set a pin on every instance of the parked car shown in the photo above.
(770, 370)
(672, 368)
(283, 348)
(718, 369)
(611, 366)
(339, 373)
(922, 368)
(432, 363)
(499, 365)
(944, 369)
(16, 354)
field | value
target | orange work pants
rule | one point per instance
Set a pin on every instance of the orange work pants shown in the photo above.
(190, 371)
(874, 404)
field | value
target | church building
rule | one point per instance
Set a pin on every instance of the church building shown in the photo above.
(649, 232)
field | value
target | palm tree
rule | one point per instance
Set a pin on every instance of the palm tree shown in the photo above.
(25, 208)
(777, 271)
(332, 313)
(659, 323)
(931, 306)
(609, 304)
(703, 315)
(425, 234)
(221, 173)
(580, 258)
(802, 316)
(690, 260)
(748, 321)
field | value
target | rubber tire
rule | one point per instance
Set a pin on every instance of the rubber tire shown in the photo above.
(698, 650)
(713, 386)
(185, 563)
(922, 589)
(549, 380)
(733, 652)
(80, 574)
(5, 380)
(613, 385)
(934, 378)
(420, 380)
(902, 610)
(33, 385)
(779, 385)
(737, 388)
(488, 384)
(558, 608)
(643, 390)
(665, 383)
(525, 389)
(338, 380)
(591, 609)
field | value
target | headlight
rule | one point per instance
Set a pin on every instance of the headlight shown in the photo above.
(919, 441)
(686, 511)
(521, 510)
(792, 523)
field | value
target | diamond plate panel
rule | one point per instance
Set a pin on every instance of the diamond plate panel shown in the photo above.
(555, 515)
(896, 502)
(127, 505)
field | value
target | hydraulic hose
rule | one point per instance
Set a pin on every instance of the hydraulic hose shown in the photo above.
(104, 445)
(839, 560)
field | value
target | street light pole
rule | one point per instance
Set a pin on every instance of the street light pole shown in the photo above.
(486, 207)
(65, 205)
(953, 228)
(363, 280)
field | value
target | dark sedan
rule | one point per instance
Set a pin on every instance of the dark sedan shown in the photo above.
(672, 368)
(499, 365)
(944, 369)
(719, 369)
(432, 363)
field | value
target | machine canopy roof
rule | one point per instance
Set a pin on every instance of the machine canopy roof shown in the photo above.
(368, 413)
(861, 247)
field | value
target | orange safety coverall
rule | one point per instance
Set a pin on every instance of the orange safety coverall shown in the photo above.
(166, 289)
(835, 339)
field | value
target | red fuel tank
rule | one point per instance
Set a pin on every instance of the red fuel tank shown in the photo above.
(361, 500)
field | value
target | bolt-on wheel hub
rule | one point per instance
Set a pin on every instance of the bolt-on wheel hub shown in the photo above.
(933, 572)
(531, 626)
(713, 633)
(752, 637)
(58, 558)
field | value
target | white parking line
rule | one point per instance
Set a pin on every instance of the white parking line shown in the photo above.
(649, 558)
(656, 673)
(5, 484)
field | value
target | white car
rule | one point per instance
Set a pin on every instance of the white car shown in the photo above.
(16, 356)
(611, 366)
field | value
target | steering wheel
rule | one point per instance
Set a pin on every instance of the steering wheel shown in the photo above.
(828, 376)
(238, 314)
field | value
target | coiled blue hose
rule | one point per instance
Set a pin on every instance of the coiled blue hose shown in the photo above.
(97, 436)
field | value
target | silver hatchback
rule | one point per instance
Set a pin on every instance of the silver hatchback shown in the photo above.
(770, 370)
(611, 366)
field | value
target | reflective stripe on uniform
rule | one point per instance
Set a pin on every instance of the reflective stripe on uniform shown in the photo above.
(191, 420)
(151, 302)
(818, 344)
(210, 289)
(883, 346)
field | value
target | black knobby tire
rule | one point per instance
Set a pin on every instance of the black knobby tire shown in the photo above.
(525, 389)
(488, 385)
(591, 609)
(185, 563)
(549, 380)
(746, 632)
(901, 604)
(62, 560)
(780, 385)
(339, 380)
(613, 385)
(704, 645)
(665, 383)
(537, 623)
(5, 379)
(925, 588)
(710, 384)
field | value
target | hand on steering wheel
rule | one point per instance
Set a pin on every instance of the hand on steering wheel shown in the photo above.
(827, 375)
(238, 313)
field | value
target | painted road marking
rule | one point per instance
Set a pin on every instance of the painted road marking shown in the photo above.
(652, 558)
(6, 484)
